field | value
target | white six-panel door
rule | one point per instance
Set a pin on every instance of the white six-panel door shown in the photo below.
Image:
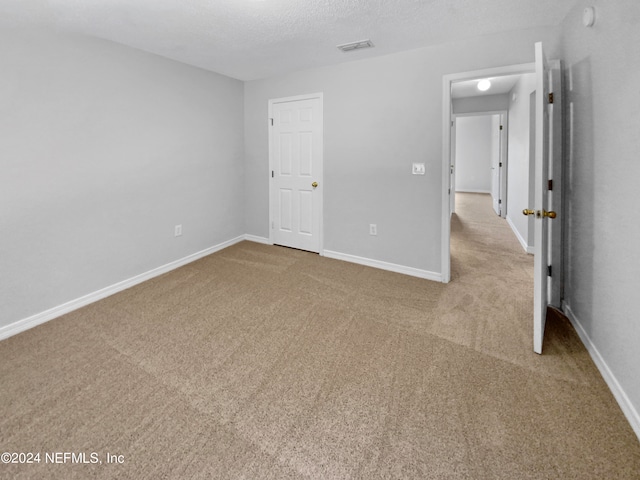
(295, 144)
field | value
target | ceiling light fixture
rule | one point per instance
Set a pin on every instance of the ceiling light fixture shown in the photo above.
(484, 85)
(349, 47)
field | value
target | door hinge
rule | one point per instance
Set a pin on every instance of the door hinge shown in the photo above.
(551, 97)
(550, 185)
(272, 175)
(500, 202)
(549, 271)
(500, 164)
(271, 121)
(500, 127)
(449, 191)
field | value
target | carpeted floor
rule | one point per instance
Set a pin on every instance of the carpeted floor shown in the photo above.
(261, 362)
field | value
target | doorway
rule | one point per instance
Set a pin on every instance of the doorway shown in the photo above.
(296, 172)
(548, 155)
(478, 157)
(473, 106)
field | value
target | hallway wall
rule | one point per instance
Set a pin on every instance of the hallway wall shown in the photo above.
(519, 181)
(602, 119)
(104, 150)
(474, 151)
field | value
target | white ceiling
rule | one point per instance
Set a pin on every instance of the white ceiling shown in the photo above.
(469, 88)
(250, 39)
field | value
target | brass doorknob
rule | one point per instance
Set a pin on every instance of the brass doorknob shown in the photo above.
(550, 214)
(526, 211)
(314, 184)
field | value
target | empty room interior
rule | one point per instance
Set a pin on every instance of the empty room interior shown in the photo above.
(319, 240)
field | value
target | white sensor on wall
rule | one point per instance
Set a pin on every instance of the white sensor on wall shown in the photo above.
(349, 47)
(589, 17)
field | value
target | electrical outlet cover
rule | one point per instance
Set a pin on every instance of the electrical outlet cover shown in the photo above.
(418, 169)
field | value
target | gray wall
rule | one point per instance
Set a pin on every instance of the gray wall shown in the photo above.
(380, 115)
(474, 151)
(602, 75)
(519, 180)
(104, 149)
(479, 104)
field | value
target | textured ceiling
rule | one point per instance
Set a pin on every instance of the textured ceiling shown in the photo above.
(249, 39)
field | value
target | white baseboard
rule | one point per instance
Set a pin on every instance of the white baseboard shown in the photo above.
(392, 267)
(43, 317)
(618, 392)
(468, 190)
(522, 241)
(255, 238)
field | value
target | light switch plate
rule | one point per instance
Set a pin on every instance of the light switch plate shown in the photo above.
(418, 169)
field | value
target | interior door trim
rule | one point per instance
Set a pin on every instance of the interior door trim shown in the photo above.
(447, 80)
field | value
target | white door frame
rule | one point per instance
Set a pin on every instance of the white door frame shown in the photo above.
(320, 160)
(556, 260)
(447, 80)
(453, 167)
(504, 159)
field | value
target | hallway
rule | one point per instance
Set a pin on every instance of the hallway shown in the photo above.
(491, 283)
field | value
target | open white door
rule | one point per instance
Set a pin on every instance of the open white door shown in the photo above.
(544, 138)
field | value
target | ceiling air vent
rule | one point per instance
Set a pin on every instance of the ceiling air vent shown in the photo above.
(349, 47)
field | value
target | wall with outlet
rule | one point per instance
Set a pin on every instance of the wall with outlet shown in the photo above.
(381, 115)
(105, 150)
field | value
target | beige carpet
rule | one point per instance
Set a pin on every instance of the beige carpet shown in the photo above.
(262, 362)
